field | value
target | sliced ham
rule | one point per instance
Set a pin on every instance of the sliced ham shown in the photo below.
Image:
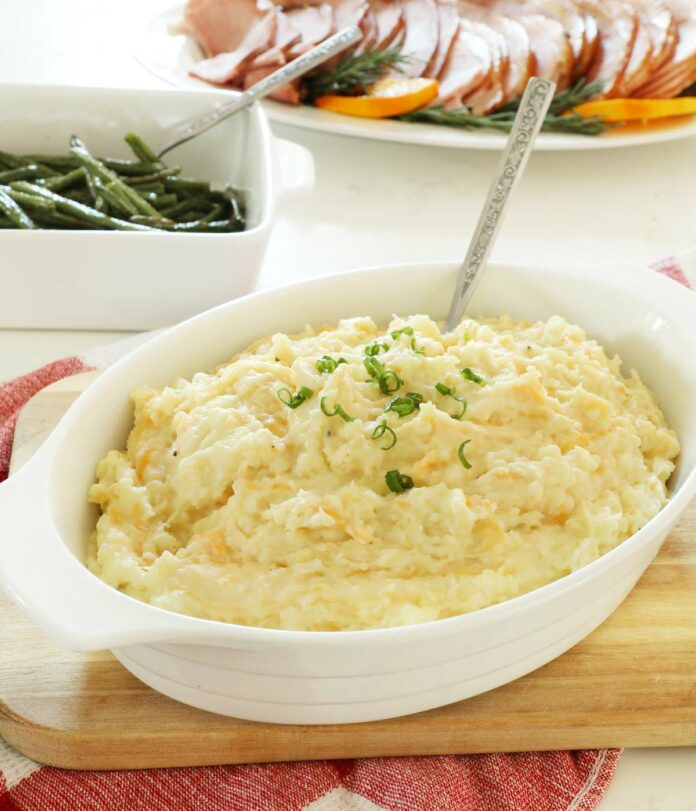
(370, 32)
(278, 54)
(491, 94)
(390, 21)
(553, 55)
(638, 67)
(448, 25)
(220, 26)
(589, 52)
(618, 27)
(314, 24)
(467, 68)
(227, 67)
(521, 59)
(422, 35)
(680, 72)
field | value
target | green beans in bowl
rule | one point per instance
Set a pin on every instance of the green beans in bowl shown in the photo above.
(80, 191)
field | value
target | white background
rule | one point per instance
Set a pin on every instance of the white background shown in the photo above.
(376, 203)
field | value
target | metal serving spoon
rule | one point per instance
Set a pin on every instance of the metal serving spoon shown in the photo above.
(537, 97)
(293, 70)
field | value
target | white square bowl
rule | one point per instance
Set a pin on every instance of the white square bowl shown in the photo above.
(126, 280)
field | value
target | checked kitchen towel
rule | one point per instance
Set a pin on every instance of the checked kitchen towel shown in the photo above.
(529, 781)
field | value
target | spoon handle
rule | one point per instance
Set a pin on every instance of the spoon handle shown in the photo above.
(537, 97)
(288, 73)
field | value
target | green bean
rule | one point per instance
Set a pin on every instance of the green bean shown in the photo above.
(126, 167)
(65, 181)
(79, 211)
(189, 204)
(80, 151)
(183, 184)
(160, 201)
(59, 162)
(10, 161)
(158, 188)
(21, 173)
(141, 150)
(97, 198)
(28, 200)
(114, 199)
(141, 180)
(14, 212)
(201, 226)
(155, 222)
(56, 220)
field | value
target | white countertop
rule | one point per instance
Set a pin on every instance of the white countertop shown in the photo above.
(376, 203)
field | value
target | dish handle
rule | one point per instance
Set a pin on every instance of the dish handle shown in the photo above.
(294, 168)
(53, 588)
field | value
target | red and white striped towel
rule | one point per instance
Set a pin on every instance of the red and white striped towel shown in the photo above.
(528, 781)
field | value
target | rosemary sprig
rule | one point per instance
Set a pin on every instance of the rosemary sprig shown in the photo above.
(353, 73)
(558, 119)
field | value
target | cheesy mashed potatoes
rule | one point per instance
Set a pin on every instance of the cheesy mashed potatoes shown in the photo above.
(353, 477)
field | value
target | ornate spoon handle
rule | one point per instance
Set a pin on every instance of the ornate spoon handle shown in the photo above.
(293, 70)
(530, 116)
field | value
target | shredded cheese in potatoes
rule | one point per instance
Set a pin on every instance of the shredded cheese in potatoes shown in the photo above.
(235, 502)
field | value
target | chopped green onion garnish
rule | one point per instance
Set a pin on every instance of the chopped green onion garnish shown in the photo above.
(294, 400)
(415, 348)
(376, 348)
(389, 382)
(337, 412)
(327, 364)
(383, 429)
(373, 367)
(452, 392)
(398, 482)
(403, 406)
(469, 375)
(403, 331)
(460, 454)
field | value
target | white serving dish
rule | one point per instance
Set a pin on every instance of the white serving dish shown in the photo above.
(311, 678)
(170, 56)
(135, 281)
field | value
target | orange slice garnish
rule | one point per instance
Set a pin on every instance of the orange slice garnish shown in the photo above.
(385, 99)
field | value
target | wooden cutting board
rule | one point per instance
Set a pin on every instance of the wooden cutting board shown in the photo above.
(631, 683)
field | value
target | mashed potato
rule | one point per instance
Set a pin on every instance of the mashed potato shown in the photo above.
(290, 489)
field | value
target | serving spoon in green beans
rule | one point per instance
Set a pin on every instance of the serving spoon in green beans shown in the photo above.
(279, 78)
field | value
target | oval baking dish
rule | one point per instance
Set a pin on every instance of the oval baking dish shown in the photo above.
(341, 677)
(135, 281)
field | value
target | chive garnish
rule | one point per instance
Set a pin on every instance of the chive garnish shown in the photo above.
(403, 406)
(415, 348)
(449, 391)
(294, 400)
(373, 367)
(389, 382)
(469, 375)
(383, 429)
(460, 454)
(403, 331)
(338, 411)
(376, 348)
(398, 482)
(328, 364)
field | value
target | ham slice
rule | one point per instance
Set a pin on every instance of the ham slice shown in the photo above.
(448, 24)
(589, 51)
(638, 67)
(220, 26)
(491, 94)
(679, 72)
(277, 55)
(314, 24)
(227, 67)
(390, 21)
(422, 35)
(618, 27)
(467, 68)
(521, 59)
(370, 32)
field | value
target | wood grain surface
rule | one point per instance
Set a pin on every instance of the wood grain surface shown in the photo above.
(631, 683)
